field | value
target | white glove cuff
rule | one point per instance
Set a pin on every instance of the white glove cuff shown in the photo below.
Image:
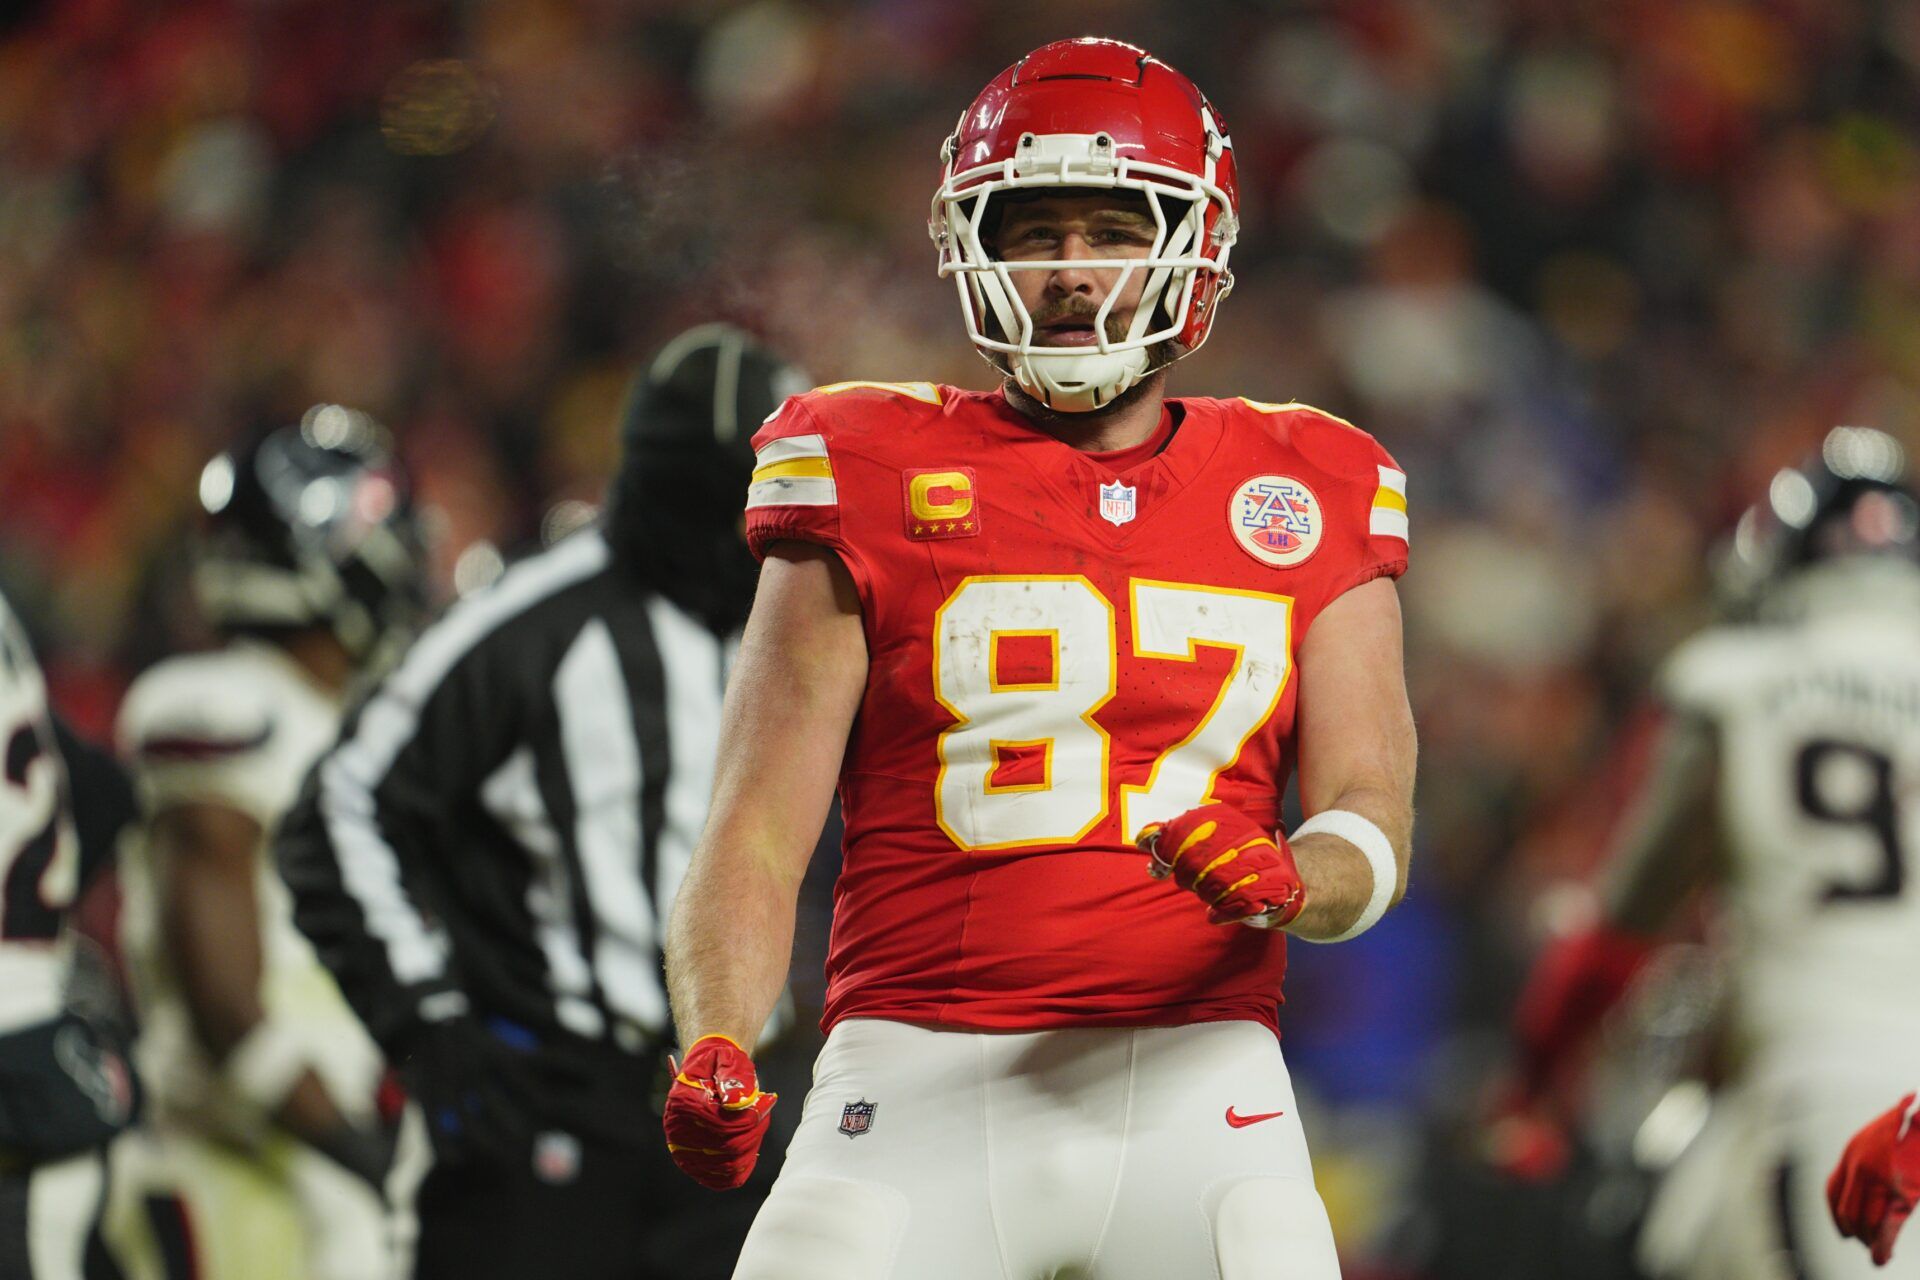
(1373, 844)
(267, 1063)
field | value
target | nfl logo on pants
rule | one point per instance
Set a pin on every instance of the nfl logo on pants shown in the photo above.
(856, 1118)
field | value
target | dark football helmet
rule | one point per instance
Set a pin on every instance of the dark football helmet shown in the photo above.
(675, 510)
(312, 525)
(1850, 499)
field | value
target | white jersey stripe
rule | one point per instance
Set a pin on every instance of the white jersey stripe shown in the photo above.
(512, 795)
(787, 448)
(603, 764)
(1394, 480)
(793, 491)
(1385, 522)
(692, 662)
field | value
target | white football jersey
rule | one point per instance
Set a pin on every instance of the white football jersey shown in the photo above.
(39, 852)
(238, 728)
(1818, 719)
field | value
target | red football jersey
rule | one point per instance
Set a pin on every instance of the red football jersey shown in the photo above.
(1058, 656)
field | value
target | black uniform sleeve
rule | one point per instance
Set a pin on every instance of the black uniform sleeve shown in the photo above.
(364, 849)
(103, 799)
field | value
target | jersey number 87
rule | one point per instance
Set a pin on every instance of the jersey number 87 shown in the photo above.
(1053, 719)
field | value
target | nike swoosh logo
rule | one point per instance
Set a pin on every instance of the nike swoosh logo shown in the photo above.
(1241, 1122)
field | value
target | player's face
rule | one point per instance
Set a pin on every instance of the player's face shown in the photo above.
(1071, 229)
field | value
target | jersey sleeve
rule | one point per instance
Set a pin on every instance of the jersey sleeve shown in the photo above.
(793, 494)
(192, 732)
(1366, 502)
(1387, 541)
(801, 474)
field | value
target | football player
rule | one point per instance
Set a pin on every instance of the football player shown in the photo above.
(1032, 633)
(267, 1146)
(1785, 782)
(65, 1087)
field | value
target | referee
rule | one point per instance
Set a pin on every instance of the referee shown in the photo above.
(486, 857)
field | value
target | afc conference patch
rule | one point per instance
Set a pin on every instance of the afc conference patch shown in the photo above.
(856, 1118)
(1276, 520)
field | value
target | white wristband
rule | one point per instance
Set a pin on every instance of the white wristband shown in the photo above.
(1373, 844)
(267, 1063)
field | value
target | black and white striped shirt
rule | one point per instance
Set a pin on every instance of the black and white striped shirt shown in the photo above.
(506, 818)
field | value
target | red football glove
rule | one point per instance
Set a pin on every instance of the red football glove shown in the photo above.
(1872, 1189)
(1238, 868)
(716, 1115)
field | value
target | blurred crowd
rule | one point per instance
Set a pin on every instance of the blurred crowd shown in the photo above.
(1591, 270)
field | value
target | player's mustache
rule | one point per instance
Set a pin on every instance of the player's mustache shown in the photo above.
(1077, 308)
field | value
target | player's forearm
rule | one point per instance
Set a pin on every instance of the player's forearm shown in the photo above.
(1338, 878)
(729, 942)
(213, 942)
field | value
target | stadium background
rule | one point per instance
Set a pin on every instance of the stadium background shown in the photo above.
(1591, 270)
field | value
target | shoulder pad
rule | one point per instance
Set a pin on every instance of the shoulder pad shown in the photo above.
(1707, 670)
(1327, 440)
(843, 412)
(196, 708)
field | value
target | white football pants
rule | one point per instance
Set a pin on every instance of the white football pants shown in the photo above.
(46, 1215)
(1087, 1154)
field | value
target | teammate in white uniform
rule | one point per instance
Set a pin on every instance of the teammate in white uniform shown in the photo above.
(62, 1091)
(1795, 740)
(266, 1150)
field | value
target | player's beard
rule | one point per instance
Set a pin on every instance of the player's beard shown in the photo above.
(1159, 356)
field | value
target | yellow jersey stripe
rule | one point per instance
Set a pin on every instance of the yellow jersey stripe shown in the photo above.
(1390, 500)
(793, 468)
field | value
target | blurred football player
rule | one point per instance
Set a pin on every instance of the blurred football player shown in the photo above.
(485, 856)
(1030, 633)
(1785, 780)
(65, 1086)
(267, 1148)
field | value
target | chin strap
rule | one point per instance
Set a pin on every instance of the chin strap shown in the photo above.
(1079, 383)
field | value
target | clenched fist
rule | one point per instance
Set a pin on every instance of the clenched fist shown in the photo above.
(715, 1115)
(1242, 871)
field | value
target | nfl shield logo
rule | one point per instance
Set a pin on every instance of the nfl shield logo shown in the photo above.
(856, 1118)
(1116, 503)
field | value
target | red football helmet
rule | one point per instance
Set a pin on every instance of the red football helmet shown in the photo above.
(1091, 114)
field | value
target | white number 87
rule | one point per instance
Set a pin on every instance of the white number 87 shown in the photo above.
(1056, 717)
